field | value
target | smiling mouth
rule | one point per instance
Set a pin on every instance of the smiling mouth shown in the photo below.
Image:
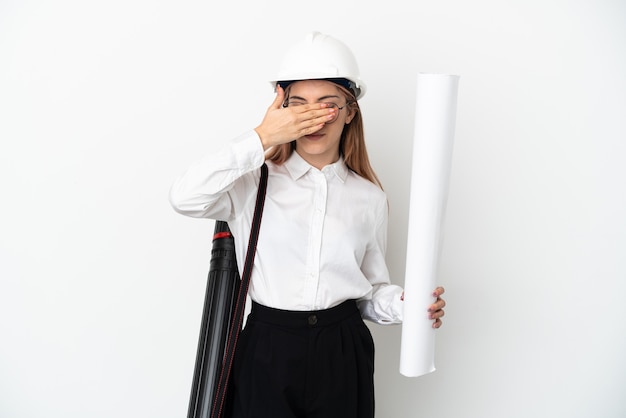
(313, 136)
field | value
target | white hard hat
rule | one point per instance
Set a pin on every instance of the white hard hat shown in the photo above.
(320, 56)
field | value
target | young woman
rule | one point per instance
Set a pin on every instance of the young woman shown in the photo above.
(320, 263)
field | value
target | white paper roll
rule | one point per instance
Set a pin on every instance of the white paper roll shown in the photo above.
(435, 115)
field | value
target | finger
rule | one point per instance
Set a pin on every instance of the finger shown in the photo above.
(437, 314)
(313, 121)
(437, 323)
(310, 129)
(279, 99)
(439, 291)
(315, 113)
(439, 304)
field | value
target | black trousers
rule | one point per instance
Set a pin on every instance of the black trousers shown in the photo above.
(292, 364)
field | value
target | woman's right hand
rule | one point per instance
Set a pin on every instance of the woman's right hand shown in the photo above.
(285, 124)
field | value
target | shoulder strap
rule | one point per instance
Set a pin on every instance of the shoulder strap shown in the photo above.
(235, 327)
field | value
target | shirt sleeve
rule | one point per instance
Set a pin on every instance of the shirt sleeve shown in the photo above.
(217, 185)
(384, 304)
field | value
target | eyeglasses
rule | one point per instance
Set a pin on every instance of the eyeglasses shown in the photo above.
(329, 105)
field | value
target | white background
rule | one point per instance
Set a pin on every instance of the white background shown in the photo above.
(102, 104)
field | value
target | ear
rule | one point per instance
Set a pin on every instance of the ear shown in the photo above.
(351, 115)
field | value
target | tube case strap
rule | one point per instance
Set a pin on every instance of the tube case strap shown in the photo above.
(235, 327)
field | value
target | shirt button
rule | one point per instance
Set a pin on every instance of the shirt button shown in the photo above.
(312, 319)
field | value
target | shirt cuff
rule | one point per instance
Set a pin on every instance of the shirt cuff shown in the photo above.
(386, 307)
(247, 151)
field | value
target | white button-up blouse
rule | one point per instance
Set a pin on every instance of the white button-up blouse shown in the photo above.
(323, 234)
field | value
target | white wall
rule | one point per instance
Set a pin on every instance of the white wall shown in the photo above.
(102, 104)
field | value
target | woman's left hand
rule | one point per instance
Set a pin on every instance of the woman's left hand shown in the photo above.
(436, 309)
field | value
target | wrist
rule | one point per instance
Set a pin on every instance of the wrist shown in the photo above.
(262, 137)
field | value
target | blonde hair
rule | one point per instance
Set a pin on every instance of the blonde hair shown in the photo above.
(351, 146)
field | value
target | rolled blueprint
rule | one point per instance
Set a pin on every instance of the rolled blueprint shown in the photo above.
(435, 114)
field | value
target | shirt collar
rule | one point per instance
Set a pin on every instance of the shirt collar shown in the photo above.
(298, 167)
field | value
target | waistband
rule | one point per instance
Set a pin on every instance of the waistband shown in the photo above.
(297, 319)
